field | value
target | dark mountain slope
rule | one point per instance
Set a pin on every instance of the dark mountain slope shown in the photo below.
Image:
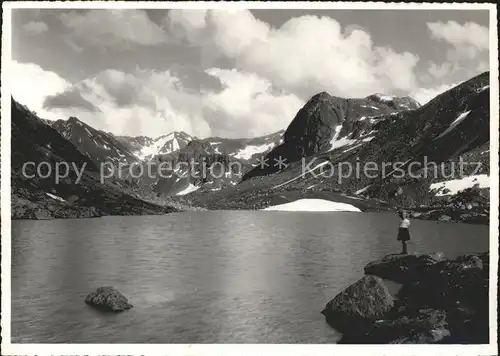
(99, 146)
(35, 197)
(449, 126)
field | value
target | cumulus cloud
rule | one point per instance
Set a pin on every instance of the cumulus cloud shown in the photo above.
(305, 55)
(277, 70)
(440, 71)
(466, 54)
(69, 99)
(424, 95)
(248, 105)
(111, 28)
(309, 54)
(469, 33)
(149, 102)
(186, 24)
(71, 44)
(143, 102)
(36, 27)
(30, 85)
(467, 48)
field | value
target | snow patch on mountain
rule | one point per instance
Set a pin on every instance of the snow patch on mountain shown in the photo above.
(452, 187)
(370, 106)
(55, 197)
(455, 123)
(483, 88)
(189, 189)
(250, 150)
(345, 141)
(175, 145)
(313, 205)
(361, 191)
(338, 128)
(383, 97)
(342, 142)
(152, 149)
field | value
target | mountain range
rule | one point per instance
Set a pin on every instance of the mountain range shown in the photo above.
(326, 132)
(146, 148)
(126, 153)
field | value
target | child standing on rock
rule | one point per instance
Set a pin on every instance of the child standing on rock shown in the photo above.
(404, 232)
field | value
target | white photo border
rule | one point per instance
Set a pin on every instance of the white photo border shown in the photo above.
(239, 349)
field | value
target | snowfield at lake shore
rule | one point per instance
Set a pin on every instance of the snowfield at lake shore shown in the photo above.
(313, 205)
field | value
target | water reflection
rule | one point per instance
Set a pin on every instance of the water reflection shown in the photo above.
(206, 277)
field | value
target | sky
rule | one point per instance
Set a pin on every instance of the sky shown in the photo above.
(232, 73)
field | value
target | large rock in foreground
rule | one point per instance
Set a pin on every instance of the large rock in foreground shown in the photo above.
(440, 301)
(108, 298)
(360, 303)
(403, 268)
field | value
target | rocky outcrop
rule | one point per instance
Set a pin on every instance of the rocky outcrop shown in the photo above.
(108, 299)
(440, 301)
(22, 209)
(471, 205)
(403, 268)
(425, 326)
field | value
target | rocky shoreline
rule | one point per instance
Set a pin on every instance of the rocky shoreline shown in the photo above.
(436, 301)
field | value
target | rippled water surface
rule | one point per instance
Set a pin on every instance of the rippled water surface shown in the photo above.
(203, 277)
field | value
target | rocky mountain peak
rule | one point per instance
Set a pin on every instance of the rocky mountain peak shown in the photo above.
(95, 144)
(73, 121)
(314, 124)
(321, 96)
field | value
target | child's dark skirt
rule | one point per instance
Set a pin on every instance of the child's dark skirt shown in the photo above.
(403, 234)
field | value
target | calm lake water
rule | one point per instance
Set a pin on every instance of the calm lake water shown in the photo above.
(204, 277)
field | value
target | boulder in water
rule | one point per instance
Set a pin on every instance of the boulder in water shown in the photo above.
(108, 298)
(359, 304)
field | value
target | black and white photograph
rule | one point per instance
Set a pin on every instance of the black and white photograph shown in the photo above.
(249, 173)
